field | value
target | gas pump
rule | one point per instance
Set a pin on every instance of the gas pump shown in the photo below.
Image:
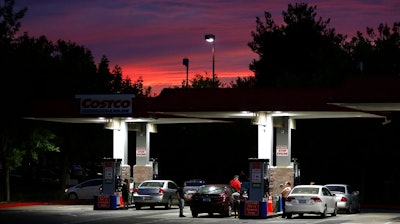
(258, 179)
(154, 161)
(256, 205)
(111, 196)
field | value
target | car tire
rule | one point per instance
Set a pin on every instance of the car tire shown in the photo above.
(334, 211)
(350, 210)
(169, 204)
(72, 196)
(324, 213)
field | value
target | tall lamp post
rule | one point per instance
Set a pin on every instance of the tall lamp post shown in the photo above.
(211, 39)
(186, 63)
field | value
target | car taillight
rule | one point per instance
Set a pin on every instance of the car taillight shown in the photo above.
(135, 191)
(289, 199)
(161, 191)
(316, 199)
(344, 199)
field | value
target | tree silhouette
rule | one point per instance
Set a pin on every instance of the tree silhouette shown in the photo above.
(199, 81)
(377, 53)
(34, 68)
(20, 142)
(302, 52)
(243, 82)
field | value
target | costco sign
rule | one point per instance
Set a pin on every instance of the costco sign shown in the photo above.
(106, 104)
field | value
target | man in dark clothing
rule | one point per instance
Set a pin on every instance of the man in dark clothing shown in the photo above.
(125, 193)
(181, 198)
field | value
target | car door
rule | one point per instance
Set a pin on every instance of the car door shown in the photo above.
(89, 189)
(330, 199)
(172, 188)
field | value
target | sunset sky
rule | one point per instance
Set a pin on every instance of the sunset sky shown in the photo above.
(150, 38)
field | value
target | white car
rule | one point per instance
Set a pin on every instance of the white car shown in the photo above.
(310, 199)
(347, 198)
(85, 190)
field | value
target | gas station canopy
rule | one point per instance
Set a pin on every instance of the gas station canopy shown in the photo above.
(357, 98)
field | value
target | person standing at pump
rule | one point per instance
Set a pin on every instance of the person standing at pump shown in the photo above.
(181, 198)
(125, 193)
(285, 192)
(235, 183)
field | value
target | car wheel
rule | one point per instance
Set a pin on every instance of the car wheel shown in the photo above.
(323, 214)
(169, 204)
(138, 206)
(350, 210)
(73, 196)
(334, 211)
(195, 214)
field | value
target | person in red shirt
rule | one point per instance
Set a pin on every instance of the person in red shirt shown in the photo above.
(235, 183)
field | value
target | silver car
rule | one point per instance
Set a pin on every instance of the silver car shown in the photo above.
(347, 198)
(85, 190)
(155, 193)
(310, 199)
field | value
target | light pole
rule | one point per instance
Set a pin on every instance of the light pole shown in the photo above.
(186, 63)
(211, 39)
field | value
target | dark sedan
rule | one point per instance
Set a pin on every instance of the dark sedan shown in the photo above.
(212, 198)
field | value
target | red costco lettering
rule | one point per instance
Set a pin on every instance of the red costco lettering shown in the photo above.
(89, 103)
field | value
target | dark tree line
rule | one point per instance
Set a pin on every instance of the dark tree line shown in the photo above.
(33, 68)
(303, 52)
(306, 52)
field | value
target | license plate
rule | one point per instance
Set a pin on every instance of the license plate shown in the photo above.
(207, 199)
(302, 201)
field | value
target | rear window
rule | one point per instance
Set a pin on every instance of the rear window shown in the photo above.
(305, 190)
(152, 184)
(336, 188)
(194, 183)
(211, 190)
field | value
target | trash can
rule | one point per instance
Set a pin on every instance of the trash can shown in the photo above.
(277, 207)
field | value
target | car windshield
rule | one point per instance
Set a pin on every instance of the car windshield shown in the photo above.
(195, 183)
(152, 184)
(211, 190)
(305, 190)
(336, 188)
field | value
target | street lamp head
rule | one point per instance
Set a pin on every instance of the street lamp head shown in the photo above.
(209, 38)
